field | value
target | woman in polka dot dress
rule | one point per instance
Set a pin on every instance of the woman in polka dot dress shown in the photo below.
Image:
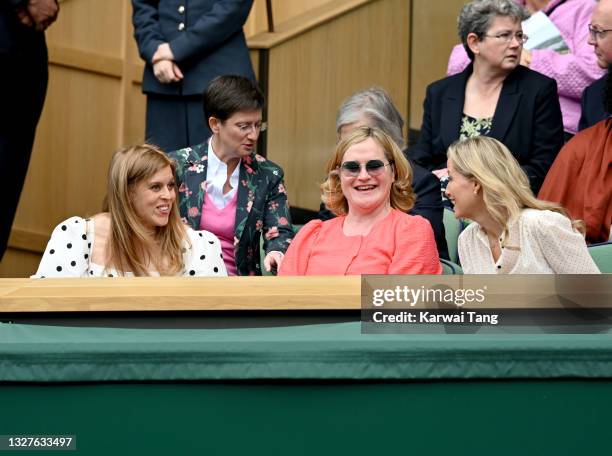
(140, 234)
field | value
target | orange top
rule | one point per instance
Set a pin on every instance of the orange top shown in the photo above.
(580, 180)
(398, 244)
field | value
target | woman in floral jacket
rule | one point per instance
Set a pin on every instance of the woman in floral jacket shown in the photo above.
(230, 190)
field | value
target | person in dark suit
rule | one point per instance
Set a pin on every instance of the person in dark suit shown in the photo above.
(600, 37)
(373, 107)
(229, 190)
(23, 85)
(185, 45)
(494, 96)
(592, 103)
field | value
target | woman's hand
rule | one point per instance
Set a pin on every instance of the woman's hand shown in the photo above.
(273, 260)
(167, 71)
(163, 52)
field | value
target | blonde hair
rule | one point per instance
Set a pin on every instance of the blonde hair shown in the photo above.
(505, 187)
(401, 196)
(131, 246)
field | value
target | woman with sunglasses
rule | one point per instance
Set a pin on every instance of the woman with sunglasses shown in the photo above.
(373, 107)
(369, 188)
(494, 96)
(229, 190)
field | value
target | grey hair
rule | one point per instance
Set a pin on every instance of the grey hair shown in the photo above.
(376, 105)
(476, 17)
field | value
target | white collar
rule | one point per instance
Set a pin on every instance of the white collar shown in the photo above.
(216, 175)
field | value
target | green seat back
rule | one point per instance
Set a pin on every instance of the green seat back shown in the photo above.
(602, 256)
(450, 268)
(452, 230)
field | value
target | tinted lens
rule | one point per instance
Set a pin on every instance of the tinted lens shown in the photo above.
(374, 167)
(351, 168)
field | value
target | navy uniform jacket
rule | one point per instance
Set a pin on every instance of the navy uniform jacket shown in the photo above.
(527, 120)
(205, 36)
(592, 104)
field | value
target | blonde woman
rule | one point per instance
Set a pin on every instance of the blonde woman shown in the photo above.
(140, 234)
(370, 188)
(513, 232)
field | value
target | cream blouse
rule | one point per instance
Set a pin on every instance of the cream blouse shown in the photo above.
(539, 242)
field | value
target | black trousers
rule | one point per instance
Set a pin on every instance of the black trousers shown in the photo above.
(174, 122)
(23, 85)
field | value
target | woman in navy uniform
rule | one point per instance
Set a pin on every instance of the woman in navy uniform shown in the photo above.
(185, 45)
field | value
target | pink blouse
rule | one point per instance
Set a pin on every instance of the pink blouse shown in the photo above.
(398, 244)
(221, 223)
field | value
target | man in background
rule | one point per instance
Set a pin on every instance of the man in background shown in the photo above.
(600, 38)
(23, 85)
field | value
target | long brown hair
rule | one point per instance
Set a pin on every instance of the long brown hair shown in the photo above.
(131, 246)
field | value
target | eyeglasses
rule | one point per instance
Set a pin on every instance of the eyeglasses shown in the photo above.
(506, 37)
(372, 167)
(598, 34)
(248, 127)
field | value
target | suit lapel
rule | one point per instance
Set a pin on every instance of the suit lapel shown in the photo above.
(507, 106)
(452, 107)
(195, 181)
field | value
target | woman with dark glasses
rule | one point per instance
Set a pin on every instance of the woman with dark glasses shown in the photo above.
(369, 188)
(373, 107)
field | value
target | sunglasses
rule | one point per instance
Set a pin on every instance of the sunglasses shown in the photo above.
(372, 167)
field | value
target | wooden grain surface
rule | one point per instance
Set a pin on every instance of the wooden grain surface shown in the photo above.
(177, 293)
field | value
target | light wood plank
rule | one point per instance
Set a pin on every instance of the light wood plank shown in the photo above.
(170, 293)
(89, 25)
(28, 240)
(86, 61)
(434, 33)
(302, 23)
(75, 139)
(257, 21)
(18, 263)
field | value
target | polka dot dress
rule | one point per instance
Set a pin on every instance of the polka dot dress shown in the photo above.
(69, 250)
(205, 257)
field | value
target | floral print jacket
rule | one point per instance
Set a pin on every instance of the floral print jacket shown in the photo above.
(261, 207)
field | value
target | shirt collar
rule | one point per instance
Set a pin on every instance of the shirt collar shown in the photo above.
(215, 165)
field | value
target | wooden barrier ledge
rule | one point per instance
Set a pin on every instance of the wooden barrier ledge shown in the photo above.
(180, 293)
(341, 293)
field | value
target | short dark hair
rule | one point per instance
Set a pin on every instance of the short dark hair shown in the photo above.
(228, 94)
